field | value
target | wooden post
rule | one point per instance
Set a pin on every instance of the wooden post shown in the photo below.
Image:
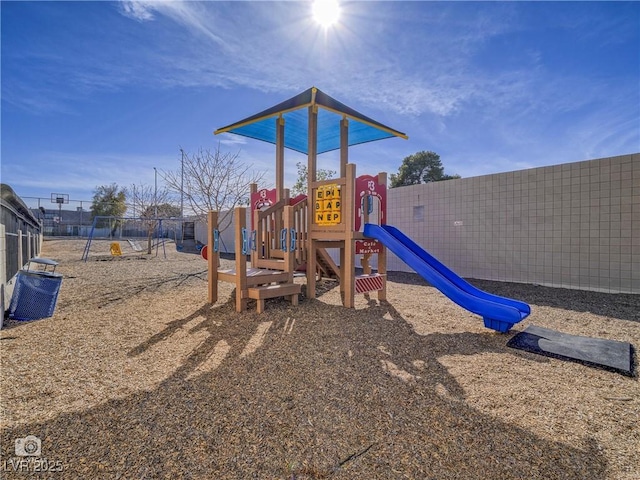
(312, 148)
(311, 177)
(279, 158)
(382, 256)
(241, 260)
(312, 265)
(366, 259)
(348, 271)
(344, 146)
(3, 255)
(253, 188)
(29, 254)
(346, 208)
(257, 253)
(366, 263)
(279, 176)
(21, 263)
(212, 257)
(343, 265)
(289, 255)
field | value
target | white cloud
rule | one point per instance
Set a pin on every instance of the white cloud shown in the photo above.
(141, 11)
(192, 15)
(232, 140)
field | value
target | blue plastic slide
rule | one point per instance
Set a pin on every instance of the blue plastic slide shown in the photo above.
(498, 313)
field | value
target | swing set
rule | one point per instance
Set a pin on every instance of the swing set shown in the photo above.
(133, 230)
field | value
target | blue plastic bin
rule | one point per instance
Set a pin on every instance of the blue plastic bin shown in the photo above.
(35, 293)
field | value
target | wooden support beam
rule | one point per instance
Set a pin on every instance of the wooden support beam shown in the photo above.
(311, 177)
(344, 146)
(3, 270)
(279, 158)
(312, 265)
(289, 255)
(330, 244)
(343, 265)
(255, 254)
(212, 257)
(279, 174)
(347, 277)
(382, 256)
(241, 260)
(20, 253)
(253, 189)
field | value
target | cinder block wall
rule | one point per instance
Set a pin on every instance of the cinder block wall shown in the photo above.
(575, 225)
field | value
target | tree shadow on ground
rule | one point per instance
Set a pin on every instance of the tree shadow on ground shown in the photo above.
(615, 305)
(329, 393)
(10, 323)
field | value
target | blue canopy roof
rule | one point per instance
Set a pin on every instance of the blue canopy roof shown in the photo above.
(262, 126)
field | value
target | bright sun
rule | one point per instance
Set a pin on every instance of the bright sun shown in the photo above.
(326, 12)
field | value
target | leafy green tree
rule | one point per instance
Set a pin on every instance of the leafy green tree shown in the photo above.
(421, 167)
(109, 200)
(303, 175)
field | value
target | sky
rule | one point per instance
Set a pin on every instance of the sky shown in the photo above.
(95, 93)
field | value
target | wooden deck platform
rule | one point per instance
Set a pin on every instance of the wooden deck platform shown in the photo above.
(255, 276)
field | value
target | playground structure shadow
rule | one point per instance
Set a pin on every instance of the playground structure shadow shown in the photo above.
(347, 394)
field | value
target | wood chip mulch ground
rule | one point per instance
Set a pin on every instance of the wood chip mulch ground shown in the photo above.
(137, 377)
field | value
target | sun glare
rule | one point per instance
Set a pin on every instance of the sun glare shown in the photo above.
(326, 12)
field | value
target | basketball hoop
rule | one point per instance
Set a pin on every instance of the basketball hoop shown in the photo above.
(60, 198)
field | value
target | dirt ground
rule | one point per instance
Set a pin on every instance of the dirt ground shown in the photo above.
(136, 377)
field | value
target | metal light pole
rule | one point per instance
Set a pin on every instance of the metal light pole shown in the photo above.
(155, 195)
(182, 184)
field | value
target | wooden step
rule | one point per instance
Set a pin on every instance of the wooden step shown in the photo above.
(276, 290)
(272, 263)
(291, 290)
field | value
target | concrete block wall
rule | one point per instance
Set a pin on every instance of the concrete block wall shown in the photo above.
(575, 225)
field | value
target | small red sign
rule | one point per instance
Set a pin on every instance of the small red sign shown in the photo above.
(367, 246)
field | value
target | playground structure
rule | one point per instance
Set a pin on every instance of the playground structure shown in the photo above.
(292, 234)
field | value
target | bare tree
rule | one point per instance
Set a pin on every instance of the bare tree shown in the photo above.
(213, 181)
(150, 205)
